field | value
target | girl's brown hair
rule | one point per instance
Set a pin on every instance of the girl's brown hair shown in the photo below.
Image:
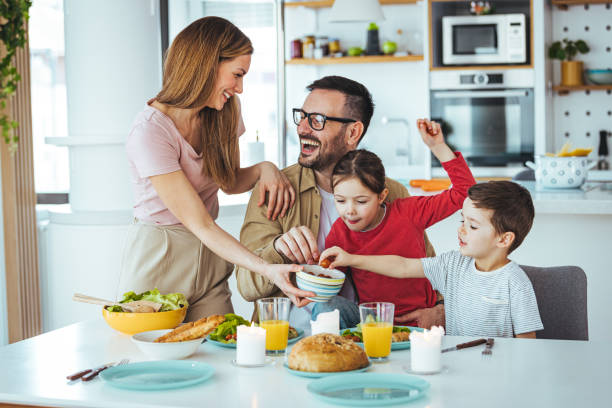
(365, 166)
(190, 72)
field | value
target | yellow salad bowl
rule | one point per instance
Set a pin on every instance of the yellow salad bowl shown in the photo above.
(132, 323)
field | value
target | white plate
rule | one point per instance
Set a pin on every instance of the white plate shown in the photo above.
(164, 351)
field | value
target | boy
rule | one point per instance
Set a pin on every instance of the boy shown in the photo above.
(485, 293)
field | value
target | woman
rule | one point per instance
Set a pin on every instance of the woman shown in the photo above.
(182, 147)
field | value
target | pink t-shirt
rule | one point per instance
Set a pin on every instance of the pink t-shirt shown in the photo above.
(155, 146)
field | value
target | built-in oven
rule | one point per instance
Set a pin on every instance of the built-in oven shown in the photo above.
(488, 116)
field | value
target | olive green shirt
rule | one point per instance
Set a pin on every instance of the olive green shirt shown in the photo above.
(258, 233)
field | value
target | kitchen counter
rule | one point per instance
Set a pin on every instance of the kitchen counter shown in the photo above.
(521, 372)
(594, 198)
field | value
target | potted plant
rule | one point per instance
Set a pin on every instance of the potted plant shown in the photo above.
(565, 51)
(13, 35)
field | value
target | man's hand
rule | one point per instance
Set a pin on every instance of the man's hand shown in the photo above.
(279, 274)
(299, 245)
(425, 318)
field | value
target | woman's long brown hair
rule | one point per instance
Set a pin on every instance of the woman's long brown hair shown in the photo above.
(190, 72)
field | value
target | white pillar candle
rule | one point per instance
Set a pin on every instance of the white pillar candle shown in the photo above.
(250, 345)
(426, 350)
(326, 323)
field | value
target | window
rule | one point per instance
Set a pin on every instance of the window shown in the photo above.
(259, 98)
(49, 108)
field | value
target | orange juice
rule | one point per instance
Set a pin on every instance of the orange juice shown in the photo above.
(277, 333)
(377, 338)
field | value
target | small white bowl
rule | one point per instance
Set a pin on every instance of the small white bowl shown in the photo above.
(164, 351)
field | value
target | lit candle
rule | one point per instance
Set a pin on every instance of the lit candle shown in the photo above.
(326, 323)
(250, 345)
(255, 151)
(426, 350)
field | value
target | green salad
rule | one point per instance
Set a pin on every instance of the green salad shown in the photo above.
(357, 336)
(171, 301)
(226, 331)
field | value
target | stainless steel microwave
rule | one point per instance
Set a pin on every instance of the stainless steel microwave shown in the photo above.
(489, 39)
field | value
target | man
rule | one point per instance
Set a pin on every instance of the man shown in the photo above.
(332, 121)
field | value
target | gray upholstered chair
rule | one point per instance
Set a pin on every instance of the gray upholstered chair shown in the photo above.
(525, 175)
(561, 292)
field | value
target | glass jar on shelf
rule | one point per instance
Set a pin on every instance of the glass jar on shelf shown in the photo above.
(296, 48)
(322, 43)
(334, 46)
(308, 46)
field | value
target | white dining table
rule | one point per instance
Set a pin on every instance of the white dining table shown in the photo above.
(520, 373)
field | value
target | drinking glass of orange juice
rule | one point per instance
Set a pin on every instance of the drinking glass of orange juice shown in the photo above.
(376, 327)
(274, 317)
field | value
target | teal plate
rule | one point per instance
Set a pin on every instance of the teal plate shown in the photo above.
(369, 389)
(157, 375)
(309, 374)
(400, 345)
(233, 345)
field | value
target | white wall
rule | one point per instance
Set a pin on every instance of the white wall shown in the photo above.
(3, 315)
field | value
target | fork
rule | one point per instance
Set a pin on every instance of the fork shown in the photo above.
(486, 353)
(95, 373)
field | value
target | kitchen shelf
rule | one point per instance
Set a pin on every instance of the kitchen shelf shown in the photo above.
(354, 60)
(564, 4)
(329, 3)
(564, 90)
(480, 67)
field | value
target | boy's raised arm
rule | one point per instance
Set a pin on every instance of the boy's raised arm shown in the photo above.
(389, 265)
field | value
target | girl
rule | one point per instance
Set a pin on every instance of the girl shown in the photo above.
(182, 148)
(369, 226)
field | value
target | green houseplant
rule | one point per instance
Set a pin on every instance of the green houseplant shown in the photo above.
(13, 35)
(566, 50)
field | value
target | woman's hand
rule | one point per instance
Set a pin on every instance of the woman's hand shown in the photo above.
(279, 274)
(281, 194)
(338, 256)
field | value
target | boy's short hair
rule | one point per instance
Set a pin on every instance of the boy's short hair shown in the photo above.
(511, 205)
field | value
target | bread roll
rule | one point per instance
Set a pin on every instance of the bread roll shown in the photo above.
(324, 353)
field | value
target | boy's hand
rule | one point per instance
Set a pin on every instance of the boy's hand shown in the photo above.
(337, 255)
(431, 133)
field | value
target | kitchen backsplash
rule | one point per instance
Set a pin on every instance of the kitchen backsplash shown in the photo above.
(580, 115)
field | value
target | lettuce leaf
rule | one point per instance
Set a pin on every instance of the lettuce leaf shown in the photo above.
(229, 326)
(171, 301)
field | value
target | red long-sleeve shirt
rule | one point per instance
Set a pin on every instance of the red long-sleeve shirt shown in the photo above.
(401, 232)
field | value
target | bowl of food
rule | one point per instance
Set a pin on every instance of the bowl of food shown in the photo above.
(325, 283)
(178, 343)
(320, 275)
(599, 76)
(164, 351)
(170, 315)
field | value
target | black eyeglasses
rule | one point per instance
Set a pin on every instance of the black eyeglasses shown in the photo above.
(316, 120)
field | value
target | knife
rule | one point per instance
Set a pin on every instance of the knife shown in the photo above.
(465, 345)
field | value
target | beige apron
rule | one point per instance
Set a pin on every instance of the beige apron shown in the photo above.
(172, 259)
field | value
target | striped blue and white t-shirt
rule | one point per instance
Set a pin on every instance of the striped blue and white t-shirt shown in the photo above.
(499, 303)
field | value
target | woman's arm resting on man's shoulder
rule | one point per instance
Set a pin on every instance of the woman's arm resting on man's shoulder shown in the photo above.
(183, 201)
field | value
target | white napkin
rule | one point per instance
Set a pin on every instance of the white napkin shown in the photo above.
(326, 323)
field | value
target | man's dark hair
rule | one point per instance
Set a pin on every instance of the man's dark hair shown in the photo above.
(365, 166)
(358, 105)
(511, 205)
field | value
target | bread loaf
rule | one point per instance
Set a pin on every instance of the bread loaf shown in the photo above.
(324, 353)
